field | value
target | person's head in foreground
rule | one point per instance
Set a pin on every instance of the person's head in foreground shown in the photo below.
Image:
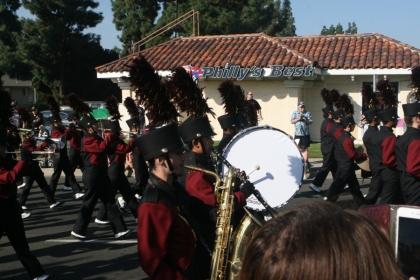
(320, 241)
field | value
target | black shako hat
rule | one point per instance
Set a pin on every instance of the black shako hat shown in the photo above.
(3, 137)
(195, 128)
(229, 120)
(87, 121)
(73, 116)
(347, 121)
(371, 114)
(160, 141)
(111, 124)
(328, 110)
(133, 122)
(338, 114)
(54, 118)
(388, 114)
(412, 109)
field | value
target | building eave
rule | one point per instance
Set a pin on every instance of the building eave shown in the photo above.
(358, 72)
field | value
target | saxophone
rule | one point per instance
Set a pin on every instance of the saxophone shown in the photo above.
(224, 198)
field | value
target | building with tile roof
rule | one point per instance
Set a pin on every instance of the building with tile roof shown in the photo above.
(281, 71)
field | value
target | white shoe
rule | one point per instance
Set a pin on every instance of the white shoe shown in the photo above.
(305, 176)
(325, 198)
(314, 188)
(58, 203)
(78, 235)
(120, 235)
(67, 188)
(24, 208)
(346, 187)
(22, 186)
(101, 222)
(137, 196)
(79, 195)
(43, 277)
(365, 195)
(121, 201)
(25, 215)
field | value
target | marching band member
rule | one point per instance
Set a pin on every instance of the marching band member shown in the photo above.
(63, 161)
(116, 155)
(345, 154)
(231, 126)
(407, 146)
(36, 174)
(166, 236)
(327, 144)
(140, 166)
(385, 177)
(74, 151)
(96, 181)
(10, 211)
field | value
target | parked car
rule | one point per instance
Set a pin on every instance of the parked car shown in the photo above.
(63, 115)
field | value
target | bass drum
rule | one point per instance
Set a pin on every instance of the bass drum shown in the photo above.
(279, 158)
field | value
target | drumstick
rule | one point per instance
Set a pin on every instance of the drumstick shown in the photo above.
(256, 167)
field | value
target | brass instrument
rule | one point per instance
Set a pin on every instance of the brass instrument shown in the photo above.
(224, 198)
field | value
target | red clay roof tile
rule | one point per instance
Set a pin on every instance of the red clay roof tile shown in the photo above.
(358, 51)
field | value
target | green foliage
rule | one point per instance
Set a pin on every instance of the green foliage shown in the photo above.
(352, 28)
(138, 18)
(11, 61)
(61, 55)
(333, 30)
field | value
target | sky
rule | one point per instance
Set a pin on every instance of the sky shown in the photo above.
(395, 19)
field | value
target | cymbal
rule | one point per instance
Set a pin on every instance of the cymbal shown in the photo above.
(363, 164)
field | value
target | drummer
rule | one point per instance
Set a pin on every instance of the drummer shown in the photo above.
(385, 178)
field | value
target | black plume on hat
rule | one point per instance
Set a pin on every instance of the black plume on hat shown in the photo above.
(195, 128)
(160, 141)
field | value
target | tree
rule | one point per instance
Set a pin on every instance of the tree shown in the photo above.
(216, 17)
(352, 29)
(55, 45)
(11, 62)
(134, 18)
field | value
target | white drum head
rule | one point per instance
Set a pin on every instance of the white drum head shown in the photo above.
(281, 164)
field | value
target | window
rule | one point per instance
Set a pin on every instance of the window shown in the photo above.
(395, 86)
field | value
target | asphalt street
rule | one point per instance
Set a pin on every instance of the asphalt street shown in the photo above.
(101, 256)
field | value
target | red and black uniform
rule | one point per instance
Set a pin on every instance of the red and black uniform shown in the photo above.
(35, 174)
(10, 214)
(97, 183)
(201, 185)
(345, 155)
(327, 149)
(383, 165)
(74, 152)
(165, 233)
(116, 155)
(63, 161)
(407, 149)
(141, 172)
